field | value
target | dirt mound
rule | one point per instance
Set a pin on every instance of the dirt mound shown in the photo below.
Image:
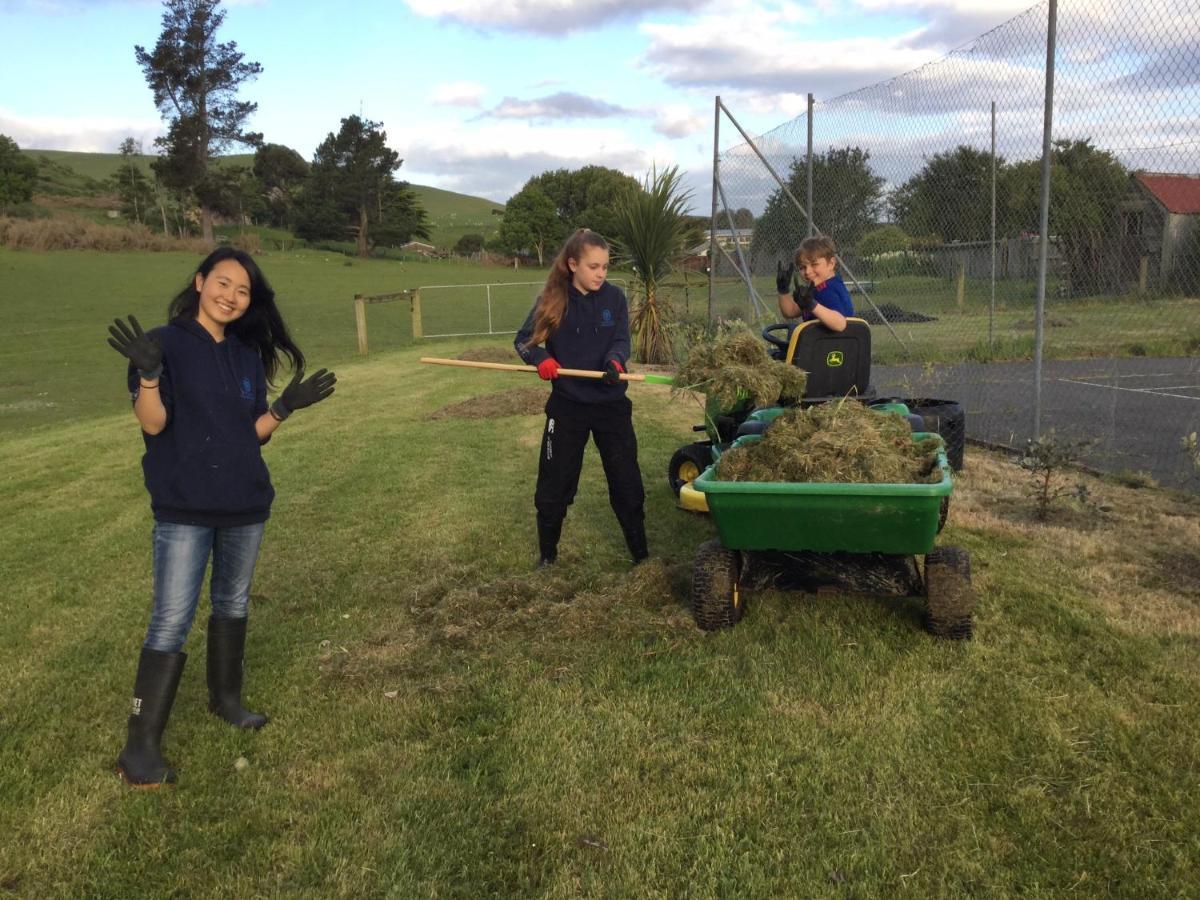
(490, 354)
(526, 401)
(894, 314)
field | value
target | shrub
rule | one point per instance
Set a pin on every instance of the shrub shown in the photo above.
(469, 244)
(248, 241)
(1046, 459)
(887, 239)
(74, 233)
(1191, 447)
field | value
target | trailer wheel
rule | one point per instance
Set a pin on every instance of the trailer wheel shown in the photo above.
(949, 597)
(947, 418)
(716, 595)
(687, 464)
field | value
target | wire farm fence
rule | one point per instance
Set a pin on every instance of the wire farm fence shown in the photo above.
(929, 183)
(461, 310)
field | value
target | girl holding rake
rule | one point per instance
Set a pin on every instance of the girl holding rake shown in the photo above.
(581, 321)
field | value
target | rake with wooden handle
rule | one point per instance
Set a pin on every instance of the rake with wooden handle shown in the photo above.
(572, 373)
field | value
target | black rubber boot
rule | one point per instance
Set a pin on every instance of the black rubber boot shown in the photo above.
(226, 649)
(547, 542)
(141, 764)
(635, 540)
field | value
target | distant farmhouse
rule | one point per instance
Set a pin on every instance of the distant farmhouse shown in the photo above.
(419, 247)
(1158, 223)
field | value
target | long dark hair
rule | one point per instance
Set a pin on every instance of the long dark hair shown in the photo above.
(260, 326)
(552, 302)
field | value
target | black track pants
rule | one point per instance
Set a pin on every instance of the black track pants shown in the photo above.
(564, 438)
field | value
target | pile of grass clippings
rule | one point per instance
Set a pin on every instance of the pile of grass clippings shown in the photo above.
(837, 443)
(735, 365)
(526, 401)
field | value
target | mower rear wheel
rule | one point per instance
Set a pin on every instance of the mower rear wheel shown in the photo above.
(687, 464)
(949, 596)
(716, 594)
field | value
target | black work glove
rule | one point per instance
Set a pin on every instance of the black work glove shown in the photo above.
(299, 394)
(613, 371)
(803, 295)
(783, 277)
(141, 349)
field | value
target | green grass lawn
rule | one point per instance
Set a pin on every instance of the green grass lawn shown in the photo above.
(55, 363)
(446, 722)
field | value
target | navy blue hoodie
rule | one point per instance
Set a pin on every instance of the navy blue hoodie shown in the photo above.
(594, 330)
(206, 467)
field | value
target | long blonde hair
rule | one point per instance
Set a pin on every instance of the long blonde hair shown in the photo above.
(552, 301)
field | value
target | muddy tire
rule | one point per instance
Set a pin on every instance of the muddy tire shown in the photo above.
(943, 512)
(716, 595)
(949, 596)
(687, 463)
(947, 418)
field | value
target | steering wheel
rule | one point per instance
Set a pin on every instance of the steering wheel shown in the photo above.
(780, 344)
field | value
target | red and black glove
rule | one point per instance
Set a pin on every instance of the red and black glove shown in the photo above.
(548, 369)
(613, 371)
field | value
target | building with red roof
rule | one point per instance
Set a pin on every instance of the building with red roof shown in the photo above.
(1159, 227)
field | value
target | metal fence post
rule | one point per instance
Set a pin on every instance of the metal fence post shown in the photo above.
(1044, 219)
(809, 166)
(992, 301)
(712, 226)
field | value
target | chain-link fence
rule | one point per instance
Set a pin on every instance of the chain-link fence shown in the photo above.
(930, 185)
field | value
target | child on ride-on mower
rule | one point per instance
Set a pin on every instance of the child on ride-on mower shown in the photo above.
(822, 295)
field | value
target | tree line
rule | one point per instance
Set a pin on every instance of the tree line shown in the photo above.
(949, 200)
(347, 191)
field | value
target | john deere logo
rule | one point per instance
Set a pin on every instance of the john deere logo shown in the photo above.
(834, 358)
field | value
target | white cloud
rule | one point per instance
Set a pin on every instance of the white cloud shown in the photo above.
(543, 16)
(951, 22)
(90, 134)
(562, 106)
(458, 93)
(496, 159)
(680, 121)
(710, 53)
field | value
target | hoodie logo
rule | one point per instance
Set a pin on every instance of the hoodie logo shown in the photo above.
(247, 389)
(606, 317)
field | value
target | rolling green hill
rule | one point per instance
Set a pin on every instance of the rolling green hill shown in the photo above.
(101, 166)
(67, 173)
(451, 215)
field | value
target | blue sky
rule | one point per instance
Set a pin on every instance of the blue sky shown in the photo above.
(479, 96)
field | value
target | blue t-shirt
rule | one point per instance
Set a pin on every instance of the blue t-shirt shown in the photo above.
(833, 295)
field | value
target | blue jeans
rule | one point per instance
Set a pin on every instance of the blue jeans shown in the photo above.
(180, 557)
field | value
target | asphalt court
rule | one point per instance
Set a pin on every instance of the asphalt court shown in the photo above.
(1133, 411)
